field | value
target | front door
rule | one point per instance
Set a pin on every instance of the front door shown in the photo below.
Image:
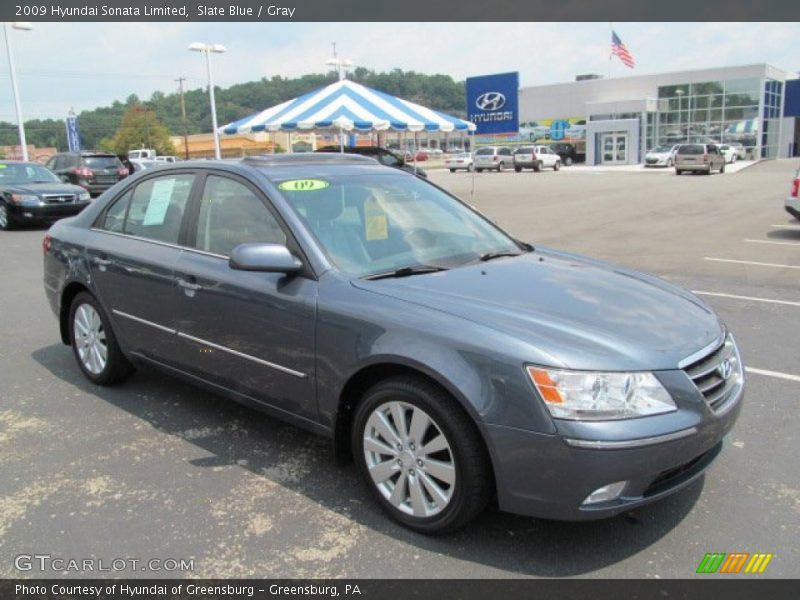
(250, 332)
(614, 149)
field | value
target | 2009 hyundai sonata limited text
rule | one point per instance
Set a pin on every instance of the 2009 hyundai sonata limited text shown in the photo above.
(452, 362)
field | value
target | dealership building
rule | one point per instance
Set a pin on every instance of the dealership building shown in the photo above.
(616, 120)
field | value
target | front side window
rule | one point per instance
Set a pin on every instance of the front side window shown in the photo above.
(157, 207)
(232, 214)
(378, 223)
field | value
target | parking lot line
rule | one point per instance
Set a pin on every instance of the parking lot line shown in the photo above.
(773, 242)
(753, 298)
(750, 262)
(776, 374)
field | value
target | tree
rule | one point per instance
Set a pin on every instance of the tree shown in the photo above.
(141, 128)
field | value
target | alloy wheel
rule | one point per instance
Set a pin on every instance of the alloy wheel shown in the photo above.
(3, 216)
(90, 339)
(409, 459)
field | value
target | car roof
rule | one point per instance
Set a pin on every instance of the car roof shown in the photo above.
(19, 162)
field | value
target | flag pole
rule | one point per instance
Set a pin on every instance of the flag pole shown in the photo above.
(610, 54)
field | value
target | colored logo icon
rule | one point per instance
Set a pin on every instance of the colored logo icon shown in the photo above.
(734, 563)
(490, 101)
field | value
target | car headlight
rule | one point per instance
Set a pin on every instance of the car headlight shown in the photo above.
(84, 196)
(600, 396)
(24, 199)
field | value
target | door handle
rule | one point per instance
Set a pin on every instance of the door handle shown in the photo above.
(102, 263)
(189, 287)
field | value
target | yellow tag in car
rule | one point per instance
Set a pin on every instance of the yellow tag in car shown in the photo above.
(303, 185)
(376, 224)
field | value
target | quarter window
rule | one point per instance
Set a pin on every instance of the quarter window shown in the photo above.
(232, 214)
(114, 218)
(157, 207)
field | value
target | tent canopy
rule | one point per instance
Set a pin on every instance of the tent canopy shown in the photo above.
(348, 106)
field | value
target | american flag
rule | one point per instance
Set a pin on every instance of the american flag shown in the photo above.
(618, 48)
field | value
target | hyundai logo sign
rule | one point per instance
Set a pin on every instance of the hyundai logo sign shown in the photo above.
(490, 101)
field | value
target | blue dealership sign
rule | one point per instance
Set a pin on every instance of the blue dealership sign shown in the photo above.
(73, 137)
(493, 103)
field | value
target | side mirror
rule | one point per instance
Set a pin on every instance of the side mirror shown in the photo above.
(267, 258)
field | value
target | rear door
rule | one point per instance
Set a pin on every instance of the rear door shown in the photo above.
(132, 253)
(250, 332)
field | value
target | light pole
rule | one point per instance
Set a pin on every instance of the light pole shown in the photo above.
(207, 49)
(20, 125)
(680, 115)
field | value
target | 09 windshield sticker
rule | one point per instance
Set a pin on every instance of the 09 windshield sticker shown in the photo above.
(303, 185)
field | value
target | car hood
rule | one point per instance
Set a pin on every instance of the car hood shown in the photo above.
(581, 313)
(38, 189)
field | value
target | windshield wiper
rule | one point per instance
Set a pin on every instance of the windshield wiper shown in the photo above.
(406, 271)
(493, 255)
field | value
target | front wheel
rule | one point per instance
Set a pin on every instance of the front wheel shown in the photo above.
(479, 170)
(557, 165)
(94, 344)
(678, 172)
(568, 161)
(452, 170)
(722, 168)
(518, 169)
(470, 168)
(6, 220)
(421, 455)
(501, 166)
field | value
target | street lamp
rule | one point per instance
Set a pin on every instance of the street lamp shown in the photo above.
(20, 125)
(680, 93)
(207, 49)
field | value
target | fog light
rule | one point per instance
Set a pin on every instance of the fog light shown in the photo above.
(608, 492)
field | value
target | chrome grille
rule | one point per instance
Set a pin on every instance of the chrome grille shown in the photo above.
(718, 375)
(58, 198)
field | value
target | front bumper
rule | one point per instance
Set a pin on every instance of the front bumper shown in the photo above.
(45, 212)
(543, 476)
(657, 162)
(793, 207)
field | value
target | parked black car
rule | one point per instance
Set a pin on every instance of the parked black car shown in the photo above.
(31, 193)
(382, 155)
(568, 153)
(93, 171)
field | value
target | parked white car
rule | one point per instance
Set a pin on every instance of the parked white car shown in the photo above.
(495, 158)
(536, 158)
(456, 162)
(793, 199)
(166, 159)
(741, 151)
(661, 156)
(729, 152)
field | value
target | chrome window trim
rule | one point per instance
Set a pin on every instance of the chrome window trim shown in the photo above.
(143, 321)
(158, 242)
(260, 361)
(624, 444)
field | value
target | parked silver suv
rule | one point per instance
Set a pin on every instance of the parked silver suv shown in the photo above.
(702, 158)
(495, 158)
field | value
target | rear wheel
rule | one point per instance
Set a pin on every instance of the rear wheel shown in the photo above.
(452, 170)
(479, 170)
(678, 172)
(501, 165)
(518, 169)
(470, 169)
(722, 167)
(568, 161)
(94, 344)
(6, 220)
(537, 166)
(557, 165)
(421, 455)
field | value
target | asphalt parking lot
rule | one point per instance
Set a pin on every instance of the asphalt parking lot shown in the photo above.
(158, 469)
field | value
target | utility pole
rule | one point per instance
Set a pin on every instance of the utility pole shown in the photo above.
(180, 81)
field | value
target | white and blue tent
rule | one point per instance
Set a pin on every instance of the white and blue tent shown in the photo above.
(348, 106)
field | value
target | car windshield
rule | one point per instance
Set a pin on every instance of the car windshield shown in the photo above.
(692, 149)
(15, 174)
(101, 162)
(524, 150)
(381, 223)
(662, 149)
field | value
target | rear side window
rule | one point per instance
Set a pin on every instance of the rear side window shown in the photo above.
(114, 218)
(484, 152)
(525, 150)
(157, 207)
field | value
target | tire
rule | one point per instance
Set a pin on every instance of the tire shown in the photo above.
(501, 166)
(568, 161)
(518, 169)
(470, 168)
(669, 163)
(479, 170)
(557, 165)
(678, 172)
(537, 166)
(89, 332)
(6, 220)
(722, 168)
(459, 454)
(452, 170)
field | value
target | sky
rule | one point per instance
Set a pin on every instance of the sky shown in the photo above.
(84, 65)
